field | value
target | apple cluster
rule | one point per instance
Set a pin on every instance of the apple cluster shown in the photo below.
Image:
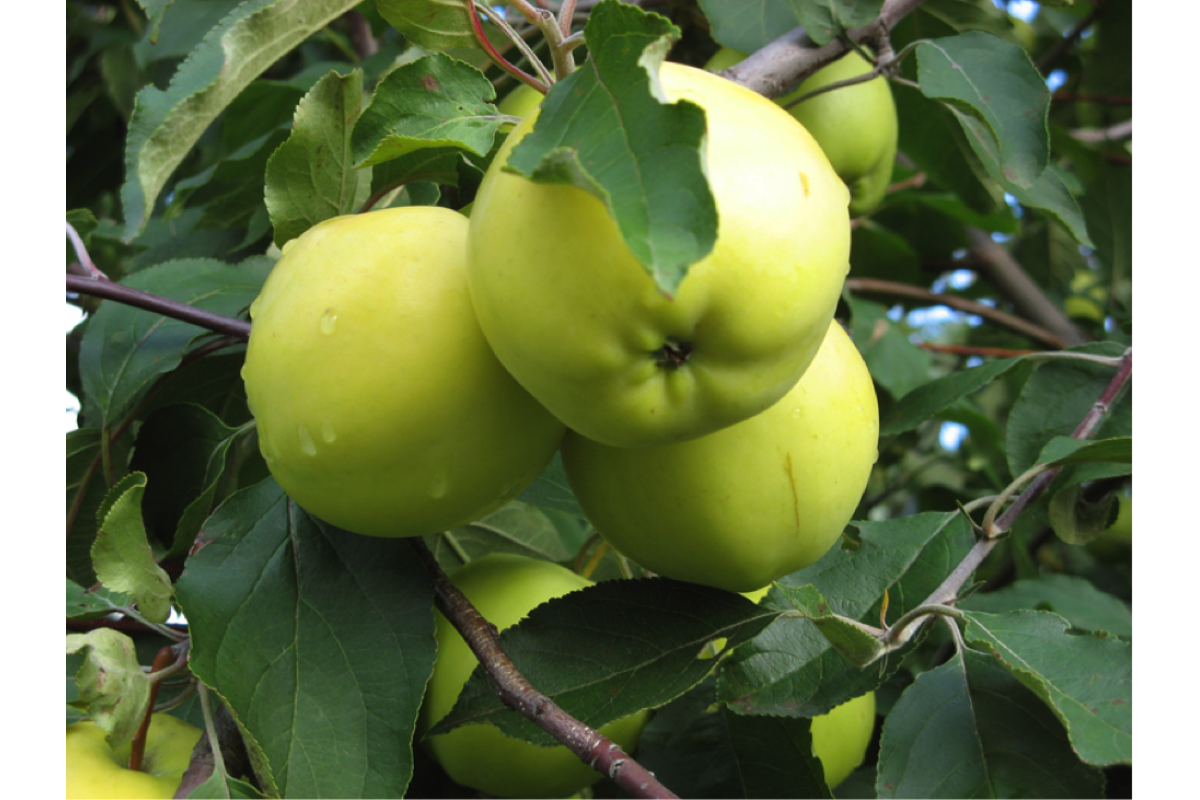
(411, 370)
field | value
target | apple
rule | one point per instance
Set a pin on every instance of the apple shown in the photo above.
(741, 507)
(504, 587)
(856, 125)
(840, 738)
(519, 102)
(581, 324)
(1088, 298)
(94, 770)
(380, 407)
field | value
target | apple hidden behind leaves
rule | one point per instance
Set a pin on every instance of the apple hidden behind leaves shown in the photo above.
(95, 771)
(840, 738)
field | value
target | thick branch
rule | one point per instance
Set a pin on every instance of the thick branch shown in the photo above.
(152, 302)
(594, 749)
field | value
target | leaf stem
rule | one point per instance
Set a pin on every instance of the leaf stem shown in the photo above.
(498, 59)
(81, 254)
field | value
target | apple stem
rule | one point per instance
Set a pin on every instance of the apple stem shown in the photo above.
(593, 748)
(165, 657)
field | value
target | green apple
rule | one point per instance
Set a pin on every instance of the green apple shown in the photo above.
(856, 125)
(840, 738)
(520, 101)
(94, 770)
(505, 588)
(380, 407)
(1088, 297)
(580, 323)
(741, 507)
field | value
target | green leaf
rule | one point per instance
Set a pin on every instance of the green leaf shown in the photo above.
(515, 528)
(182, 450)
(969, 729)
(652, 634)
(85, 492)
(229, 192)
(155, 9)
(1050, 194)
(125, 349)
(431, 24)
(418, 171)
(649, 176)
(858, 644)
(895, 363)
(1087, 679)
(552, 490)
(998, 96)
(928, 400)
(701, 750)
(1074, 598)
(165, 124)
(121, 553)
(747, 25)
(85, 604)
(1064, 450)
(224, 788)
(1076, 519)
(311, 177)
(112, 687)
(791, 668)
(825, 20)
(320, 642)
(434, 102)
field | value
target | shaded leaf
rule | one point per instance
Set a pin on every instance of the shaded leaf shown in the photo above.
(121, 553)
(747, 25)
(855, 641)
(515, 528)
(431, 24)
(825, 20)
(895, 363)
(1064, 450)
(87, 604)
(1074, 598)
(320, 641)
(86, 490)
(928, 400)
(552, 490)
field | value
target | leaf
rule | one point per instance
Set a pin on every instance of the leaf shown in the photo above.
(1076, 599)
(229, 192)
(825, 20)
(420, 168)
(121, 553)
(928, 400)
(969, 729)
(218, 788)
(112, 687)
(855, 641)
(85, 492)
(320, 642)
(311, 177)
(1050, 194)
(1087, 679)
(431, 24)
(182, 450)
(165, 124)
(701, 750)
(650, 176)
(1063, 450)
(125, 349)
(791, 668)
(155, 9)
(83, 604)
(1076, 519)
(991, 82)
(747, 25)
(552, 490)
(610, 650)
(433, 102)
(515, 528)
(895, 363)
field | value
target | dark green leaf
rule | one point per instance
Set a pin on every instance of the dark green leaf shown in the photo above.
(859, 645)
(86, 489)
(1076, 519)
(319, 640)
(551, 490)
(431, 24)
(610, 650)
(747, 25)
(649, 176)
(895, 363)
(515, 528)
(1078, 600)
(1087, 679)
(1065, 450)
(825, 20)
(218, 788)
(86, 604)
(121, 553)
(928, 400)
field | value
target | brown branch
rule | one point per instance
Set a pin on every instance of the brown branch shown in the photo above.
(1091, 97)
(994, 315)
(968, 350)
(152, 302)
(593, 748)
(360, 34)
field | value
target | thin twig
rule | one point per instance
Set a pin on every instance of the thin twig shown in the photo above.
(152, 302)
(593, 748)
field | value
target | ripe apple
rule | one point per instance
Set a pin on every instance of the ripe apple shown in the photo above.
(380, 407)
(840, 738)
(738, 508)
(856, 125)
(504, 588)
(580, 323)
(94, 770)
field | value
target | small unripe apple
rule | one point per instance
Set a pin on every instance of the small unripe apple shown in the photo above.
(94, 770)
(380, 407)
(840, 738)
(504, 588)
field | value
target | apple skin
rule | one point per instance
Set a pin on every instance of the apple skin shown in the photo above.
(840, 738)
(505, 588)
(380, 407)
(741, 507)
(520, 101)
(578, 321)
(856, 125)
(95, 771)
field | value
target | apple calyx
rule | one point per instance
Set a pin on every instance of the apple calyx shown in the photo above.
(673, 354)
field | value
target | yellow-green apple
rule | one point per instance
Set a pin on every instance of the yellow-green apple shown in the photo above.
(519, 102)
(746, 505)
(505, 588)
(840, 738)
(855, 125)
(380, 407)
(95, 770)
(581, 324)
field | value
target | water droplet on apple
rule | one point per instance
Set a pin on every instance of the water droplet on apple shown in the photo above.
(306, 441)
(327, 432)
(328, 322)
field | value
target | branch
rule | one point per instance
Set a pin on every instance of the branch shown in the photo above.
(1001, 318)
(593, 748)
(1046, 63)
(152, 302)
(1122, 130)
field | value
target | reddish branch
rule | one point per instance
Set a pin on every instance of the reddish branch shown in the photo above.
(593, 748)
(152, 302)
(166, 657)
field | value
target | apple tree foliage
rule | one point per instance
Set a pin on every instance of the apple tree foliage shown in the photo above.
(989, 293)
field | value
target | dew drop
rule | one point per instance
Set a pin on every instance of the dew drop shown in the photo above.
(328, 322)
(306, 442)
(327, 432)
